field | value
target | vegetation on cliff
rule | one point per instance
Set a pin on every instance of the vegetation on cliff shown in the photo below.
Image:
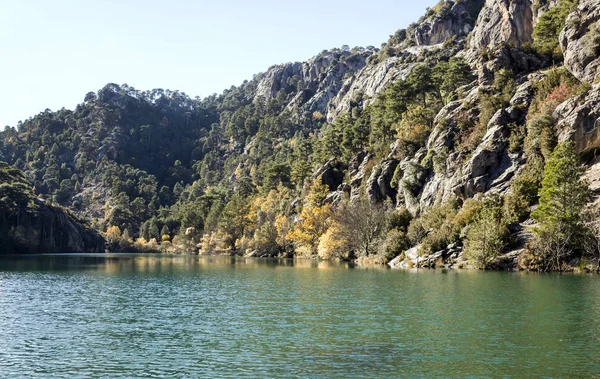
(448, 153)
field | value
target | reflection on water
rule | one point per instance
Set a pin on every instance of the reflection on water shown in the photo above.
(148, 263)
(154, 316)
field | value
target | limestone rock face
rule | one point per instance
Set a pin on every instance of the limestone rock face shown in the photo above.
(315, 82)
(378, 186)
(580, 41)
(358, 170)
(367, 83)
(331, 174)
(54, 230)
(503, 21)
(509, 58)
(579, 120)
(331, 81)
(61, 232)
(454, 22)
(491, 165)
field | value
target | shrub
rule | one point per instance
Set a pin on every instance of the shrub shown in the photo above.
(395, 243)
(516, 138)
(399, 220)
(435, 229)
(416, 231)
(591, 43)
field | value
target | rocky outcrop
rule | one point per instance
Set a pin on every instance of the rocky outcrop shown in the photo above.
(367, 83)
(358, 170)
(331, 174)
(580, 41)
(503, 26)
(450, 257)
(503, 22)
(62, 232)
(314, 82)
(491, 165)
(379, 187)
(453, 20)
(49, 230)
(510, 58)
(578, 119)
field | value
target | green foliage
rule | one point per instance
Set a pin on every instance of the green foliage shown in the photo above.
(563, 197)
(399, 220)
(487, 235)
(498, 97)
(15, 193)
(434, 229)
(563, 194)
(540, 140)
(395, 243)
(523, 193)
(548, 27)
(451, 75)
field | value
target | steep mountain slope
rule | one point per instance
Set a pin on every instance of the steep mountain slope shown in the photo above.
(30, 226)
(467, 103)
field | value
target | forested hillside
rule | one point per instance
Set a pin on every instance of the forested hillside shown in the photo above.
(460, 142)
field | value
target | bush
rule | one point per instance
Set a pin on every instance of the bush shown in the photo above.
(523, 193)
(416, 231)
(399, 220)
(396, 242)
(516, 138)
(435, 229)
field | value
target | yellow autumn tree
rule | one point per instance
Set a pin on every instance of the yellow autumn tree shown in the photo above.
(314, 222)
(113, 234)
(332, 244)
(263, 216)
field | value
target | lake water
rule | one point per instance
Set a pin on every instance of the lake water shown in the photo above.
(117, 316)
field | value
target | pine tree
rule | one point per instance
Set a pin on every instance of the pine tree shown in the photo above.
(563, 198)
(564, 194)
(486, 237)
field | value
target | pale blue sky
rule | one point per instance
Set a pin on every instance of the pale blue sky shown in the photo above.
(53, 52)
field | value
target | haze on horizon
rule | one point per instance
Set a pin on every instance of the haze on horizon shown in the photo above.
(56, 52)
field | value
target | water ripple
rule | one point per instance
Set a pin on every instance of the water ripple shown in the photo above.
(182, 317)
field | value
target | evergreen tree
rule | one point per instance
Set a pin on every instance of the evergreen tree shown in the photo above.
(563, 198)
(486, 237)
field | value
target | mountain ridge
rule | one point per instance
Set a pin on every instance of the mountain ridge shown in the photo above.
(467, 103)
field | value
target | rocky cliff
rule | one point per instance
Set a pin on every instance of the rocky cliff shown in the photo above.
(580, 41)
(29, 225)
(457, 106)
(494, 42)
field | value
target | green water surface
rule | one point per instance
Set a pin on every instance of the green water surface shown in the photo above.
(132, 316)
